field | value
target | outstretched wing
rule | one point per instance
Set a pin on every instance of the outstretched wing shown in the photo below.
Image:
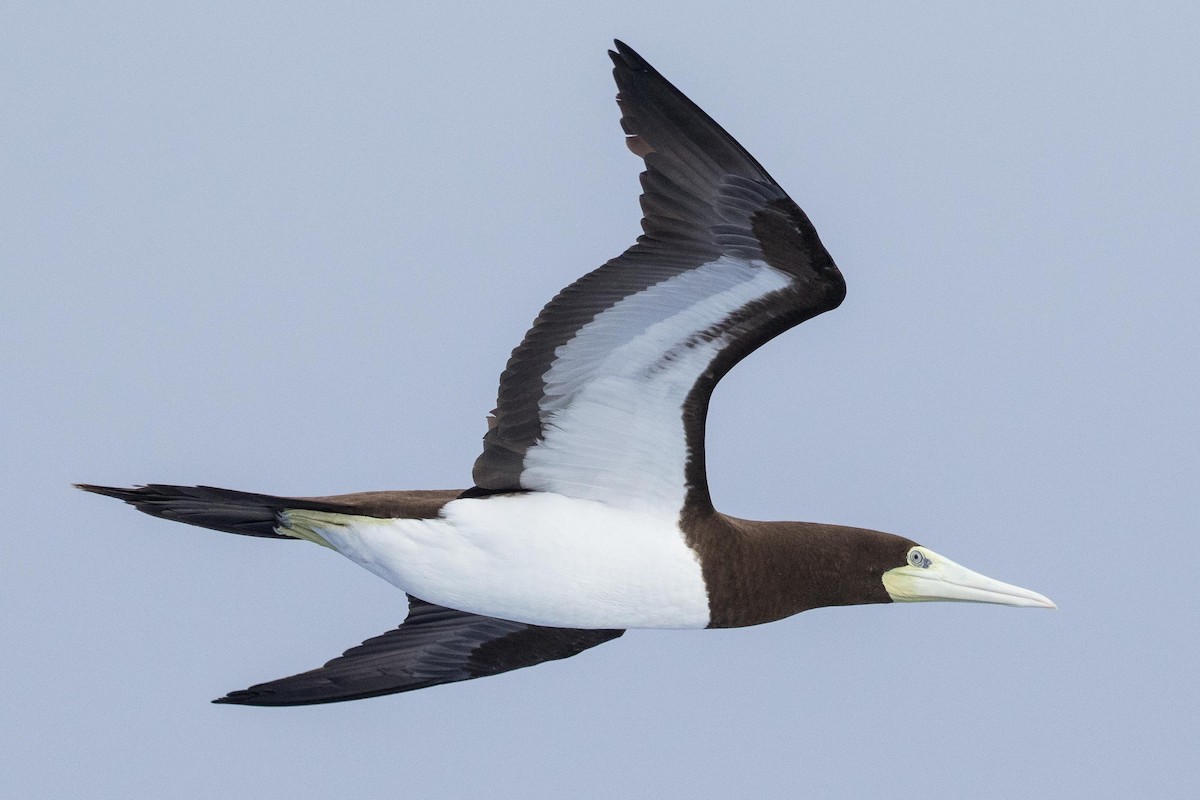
(607, 395)
(434, 645)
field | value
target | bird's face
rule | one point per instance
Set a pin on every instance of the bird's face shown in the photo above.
(925, 576)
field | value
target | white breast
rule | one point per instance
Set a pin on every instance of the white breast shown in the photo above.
(537, 557)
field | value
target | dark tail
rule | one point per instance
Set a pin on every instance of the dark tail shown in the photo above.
(251, 514)
(226, 510)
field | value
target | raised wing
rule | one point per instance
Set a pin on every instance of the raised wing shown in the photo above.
(607, 395)
(434, 645)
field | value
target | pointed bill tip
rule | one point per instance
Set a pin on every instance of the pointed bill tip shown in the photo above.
(1041, 601)
(1014, 596)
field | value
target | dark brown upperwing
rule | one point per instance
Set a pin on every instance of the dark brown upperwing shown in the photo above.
(434, 645)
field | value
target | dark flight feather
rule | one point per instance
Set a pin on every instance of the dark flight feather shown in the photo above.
(435, 645)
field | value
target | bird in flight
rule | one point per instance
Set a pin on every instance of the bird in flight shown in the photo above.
(590, 511)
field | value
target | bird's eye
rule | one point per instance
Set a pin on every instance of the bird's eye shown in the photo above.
(918, 559)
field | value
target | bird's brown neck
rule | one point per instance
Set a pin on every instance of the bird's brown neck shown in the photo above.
(759, 572)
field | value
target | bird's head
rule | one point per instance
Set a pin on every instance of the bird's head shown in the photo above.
(926, 576)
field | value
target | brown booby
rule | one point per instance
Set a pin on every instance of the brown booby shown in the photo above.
(590, 511)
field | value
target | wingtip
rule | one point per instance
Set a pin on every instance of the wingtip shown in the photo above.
(242, 697)
(261, 698)
(625, 50)
(626, 56)
(107, 491)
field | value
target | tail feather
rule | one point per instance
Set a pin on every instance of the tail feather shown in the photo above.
(251, 514)
(244, 513)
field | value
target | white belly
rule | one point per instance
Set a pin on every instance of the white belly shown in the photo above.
(537, 557)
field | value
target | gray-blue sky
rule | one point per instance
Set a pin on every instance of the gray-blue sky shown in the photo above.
(287, 249)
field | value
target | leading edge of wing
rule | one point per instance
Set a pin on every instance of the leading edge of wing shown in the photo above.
(434, 645)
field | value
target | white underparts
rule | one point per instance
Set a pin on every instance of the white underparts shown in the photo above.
(539, 558)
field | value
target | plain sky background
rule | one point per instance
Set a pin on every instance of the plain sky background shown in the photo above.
(288, 247)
